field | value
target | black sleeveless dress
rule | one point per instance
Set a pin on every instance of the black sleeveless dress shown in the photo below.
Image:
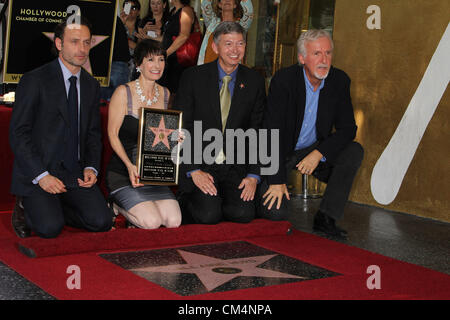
(117, 179)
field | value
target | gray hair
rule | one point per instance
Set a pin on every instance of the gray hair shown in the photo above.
(227, 27)
(312, 35)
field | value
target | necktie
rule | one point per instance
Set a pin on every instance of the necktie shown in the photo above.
(71, 156)
(225, 103)
(225, 100)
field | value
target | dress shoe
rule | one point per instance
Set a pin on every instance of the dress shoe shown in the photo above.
(327, 225)
(27, 251)
(18, 220)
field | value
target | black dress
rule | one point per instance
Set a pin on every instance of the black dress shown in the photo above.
(173, 70)
(117, 178)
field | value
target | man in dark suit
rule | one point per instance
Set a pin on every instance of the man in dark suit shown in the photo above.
(311, 107)
(55, 136)
(220, 95)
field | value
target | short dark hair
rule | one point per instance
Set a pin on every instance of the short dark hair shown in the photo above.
(61, 27)
(185, 2)
(148, 47)
(227, 27)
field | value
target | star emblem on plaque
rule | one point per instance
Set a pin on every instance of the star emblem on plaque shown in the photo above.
(161, 134)
(155, 161)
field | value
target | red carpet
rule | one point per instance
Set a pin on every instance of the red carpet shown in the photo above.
(101, 279)
(127, 239)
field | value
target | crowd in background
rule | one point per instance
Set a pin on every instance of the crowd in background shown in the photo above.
(175, 24)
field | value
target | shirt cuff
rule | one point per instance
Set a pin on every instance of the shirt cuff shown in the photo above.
(39, 177)
(93, 169)
(188, 174)
(250, 175)
(323, 159)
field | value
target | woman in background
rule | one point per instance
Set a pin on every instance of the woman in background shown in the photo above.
(216, 11)
(176, 32)
(152, 25)
(131, 22)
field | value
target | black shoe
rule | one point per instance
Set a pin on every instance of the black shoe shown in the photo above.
(27, 251)
(327, 225)
(18, 220)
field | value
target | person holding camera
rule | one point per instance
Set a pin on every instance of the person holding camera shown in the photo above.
(216, 11)
(151, 26)
(130, 17)
(182, 22)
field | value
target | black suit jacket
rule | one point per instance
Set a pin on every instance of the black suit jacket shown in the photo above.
(198, 98)
(38, 125)
(335, 124)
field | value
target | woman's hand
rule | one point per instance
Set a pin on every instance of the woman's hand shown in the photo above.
(123, 16)
(134, 177)
(141, 34)
(152, 27)
(181, 136)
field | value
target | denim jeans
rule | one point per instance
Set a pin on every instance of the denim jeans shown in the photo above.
(119, 76)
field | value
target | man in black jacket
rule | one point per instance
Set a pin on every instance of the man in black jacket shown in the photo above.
(55, 135)
(222, 95)
(311, 107)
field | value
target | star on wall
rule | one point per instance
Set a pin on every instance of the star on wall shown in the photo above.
(96, 40)
(214, 272)
(161, 134)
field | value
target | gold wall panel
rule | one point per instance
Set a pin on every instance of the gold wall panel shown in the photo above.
(386, 67)
(292, 18)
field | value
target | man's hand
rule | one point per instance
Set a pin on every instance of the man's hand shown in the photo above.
(249, 185)
(275, 193)
(205, 182)
(309, 163)
(89, 179)
(52, 185)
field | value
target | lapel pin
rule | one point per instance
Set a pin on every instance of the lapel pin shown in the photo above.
(241, 86)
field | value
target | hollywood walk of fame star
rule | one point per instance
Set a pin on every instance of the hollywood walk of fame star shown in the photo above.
(161, 134)
(96, 40)
(214, 272)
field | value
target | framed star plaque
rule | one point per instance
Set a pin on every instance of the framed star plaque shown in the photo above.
(157, 157)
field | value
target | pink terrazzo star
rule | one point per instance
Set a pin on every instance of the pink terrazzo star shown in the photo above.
(161, 134)
(214, 272)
